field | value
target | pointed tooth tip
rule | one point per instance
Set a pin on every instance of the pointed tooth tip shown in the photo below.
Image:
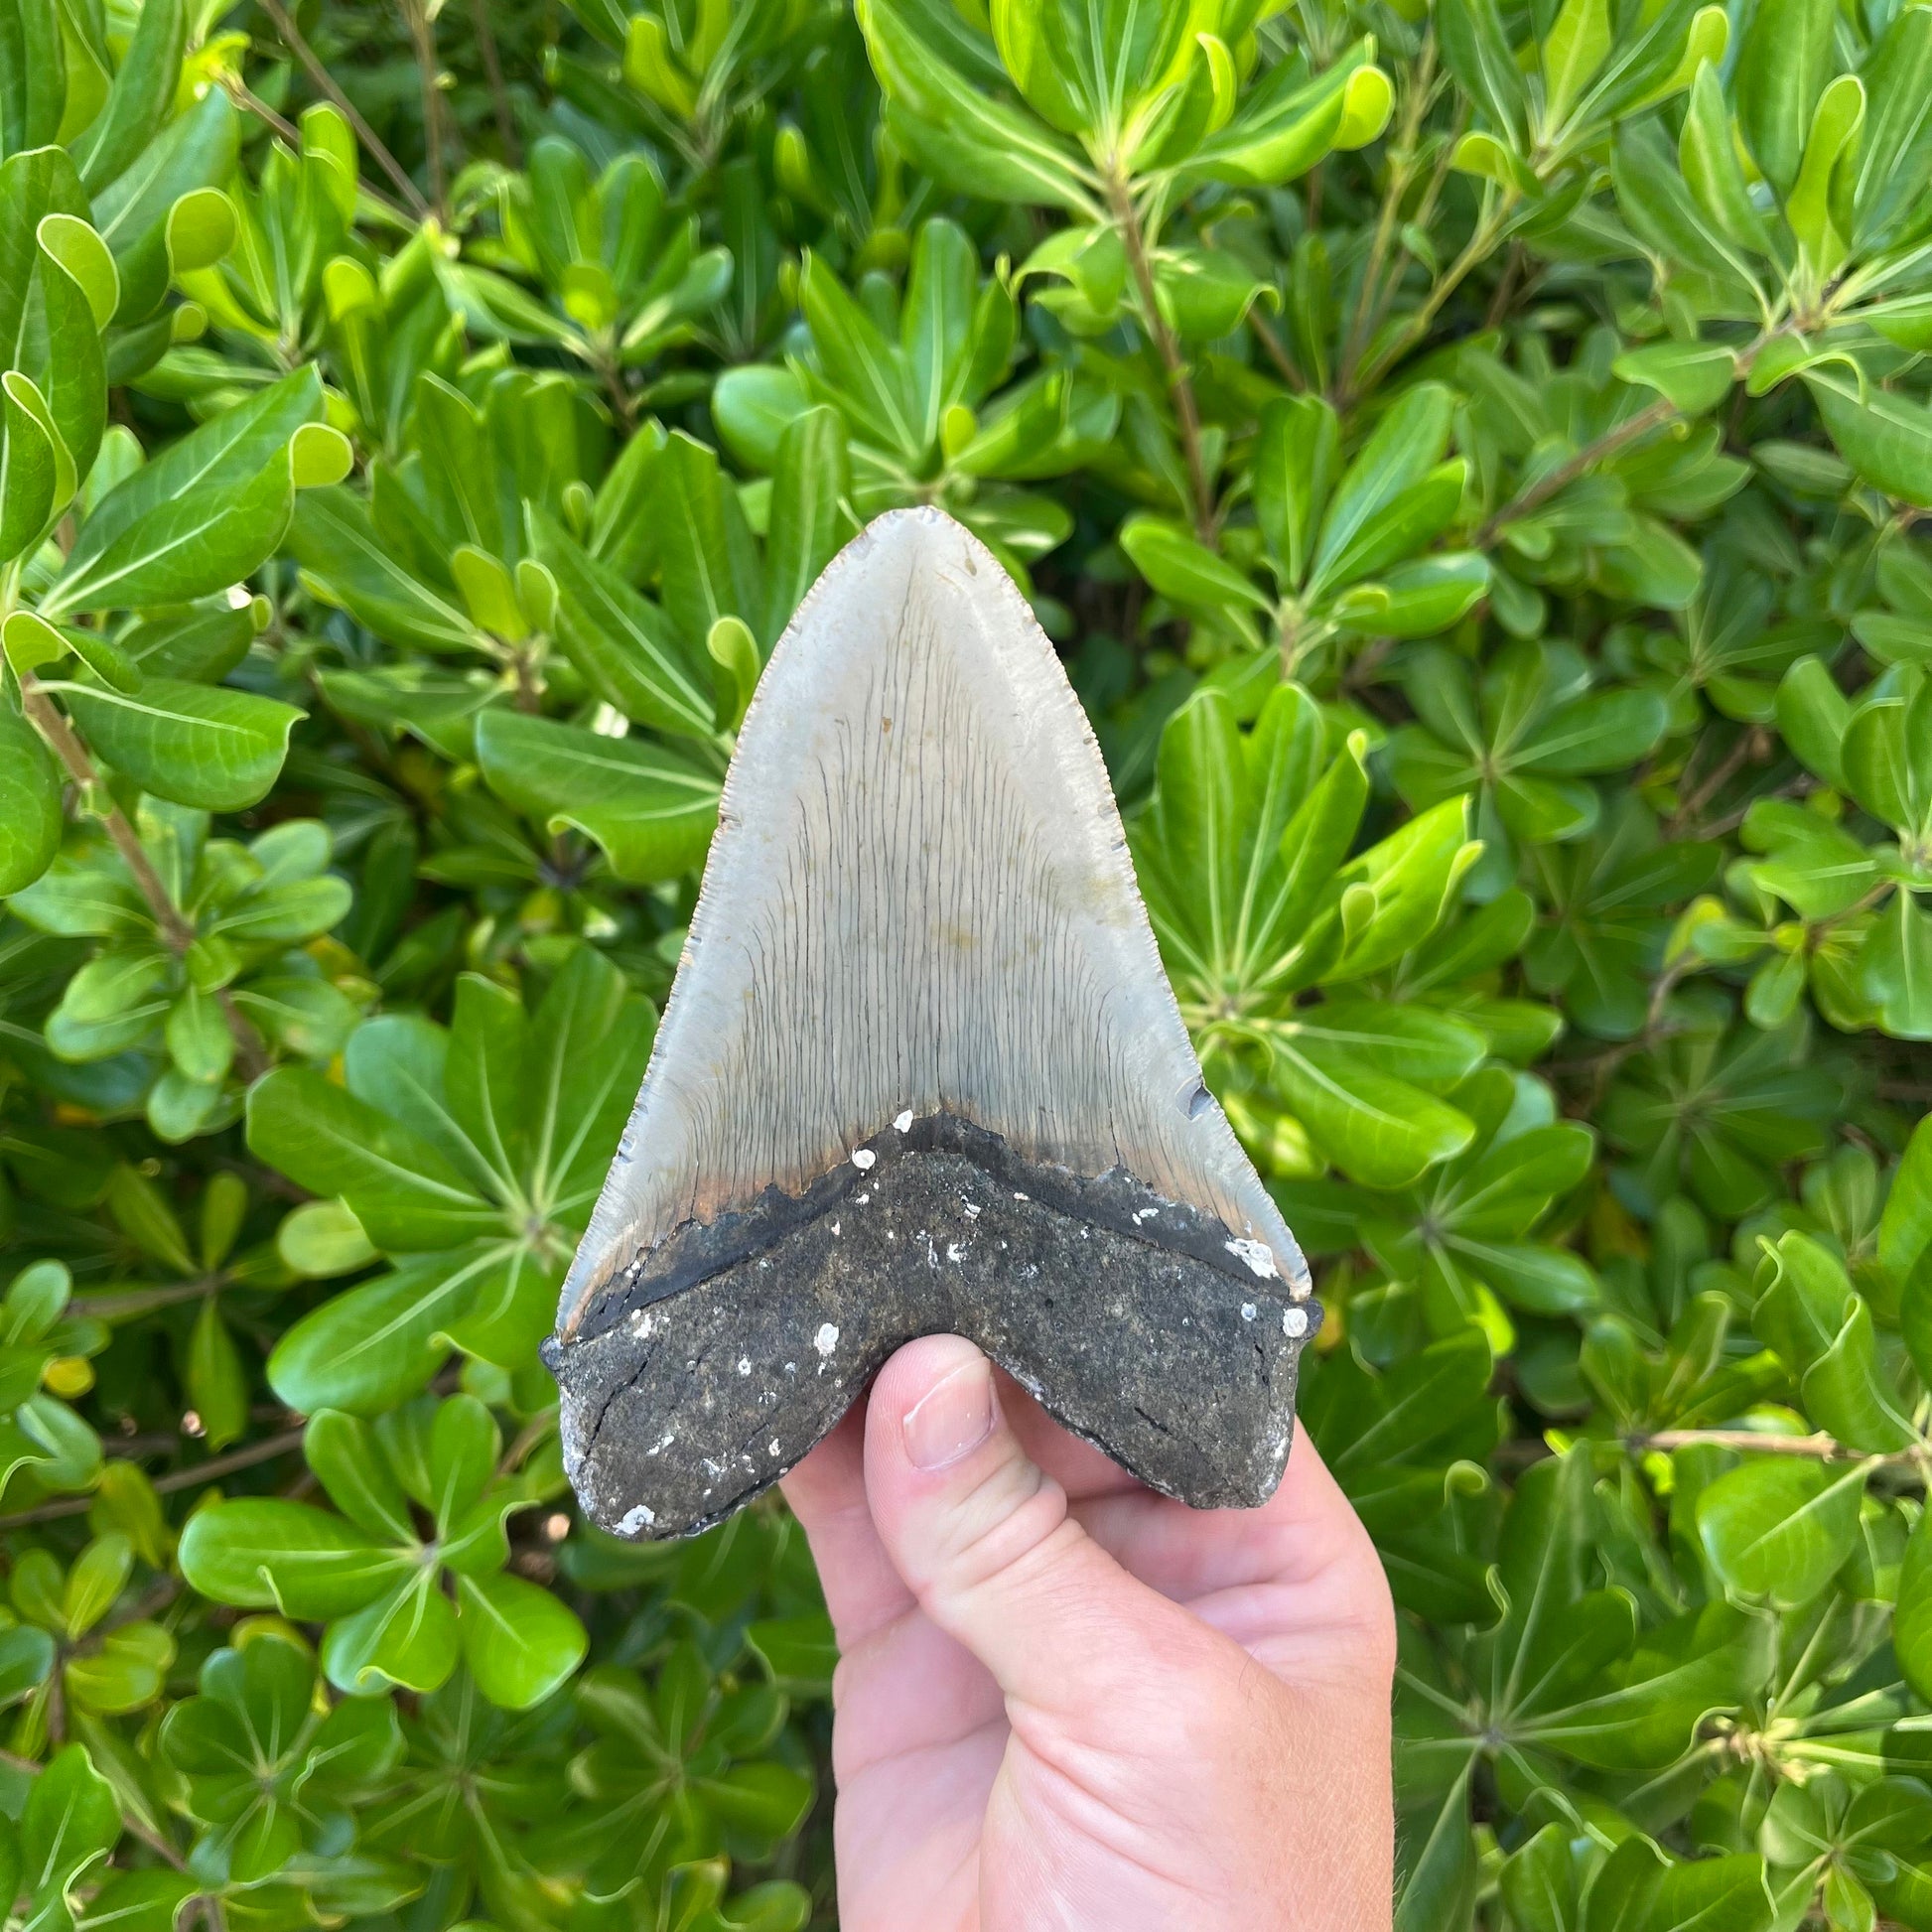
(922, 538)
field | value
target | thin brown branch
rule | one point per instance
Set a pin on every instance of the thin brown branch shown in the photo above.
(1751, 745)
(104, 1305)
(499, 94)
(1276, 349)
(1654, 416)
(1489, 231)
(1820, 1447)
(527, 1438)
(1401, 160)
(325, 82)
(211, 1470)
(422, 35)
(154, 1841)
(285, 129)
(1721, 827)
(1180, 388)
(251, 1052)
(1514, 265)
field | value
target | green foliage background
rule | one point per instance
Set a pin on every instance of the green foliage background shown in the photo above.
(1471, 454)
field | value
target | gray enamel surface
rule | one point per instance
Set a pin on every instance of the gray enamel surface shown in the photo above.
(919, 897)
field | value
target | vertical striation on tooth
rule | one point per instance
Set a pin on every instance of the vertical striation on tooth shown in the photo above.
(919, 899)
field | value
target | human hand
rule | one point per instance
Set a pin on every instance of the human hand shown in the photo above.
(1067, 1705)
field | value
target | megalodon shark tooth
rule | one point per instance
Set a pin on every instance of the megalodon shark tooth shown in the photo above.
(920, 1071)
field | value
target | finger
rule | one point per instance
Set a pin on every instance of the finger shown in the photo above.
(827, 1493)
(1307, 1531)
(983, 1539)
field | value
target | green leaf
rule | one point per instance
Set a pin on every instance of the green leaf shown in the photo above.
(1781, 71)
(398, 1186)
(810, 517)
(1885, 438)
(34, 463)
(650, 810)
(217, 1383)
(233, 474)
(623, 643)
(519, 1641)
(949, 126)
(30, 802)
(1693, 376)
(335, 540)
(1179, 567)
(1911, 1635)
(377, 1344)
(1576, 46)
(1407, 443)
(1379, 1129)
(1476, 50)
(263, 1553)
(205, 746)
(72, 1821)
(140, 98)
(1778, 1528)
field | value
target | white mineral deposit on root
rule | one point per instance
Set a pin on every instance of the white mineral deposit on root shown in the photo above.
(1257, 1255)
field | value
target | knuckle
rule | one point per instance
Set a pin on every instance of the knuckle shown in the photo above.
(1002, 1521)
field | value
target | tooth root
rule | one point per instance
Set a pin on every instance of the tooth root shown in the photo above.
(920, 901)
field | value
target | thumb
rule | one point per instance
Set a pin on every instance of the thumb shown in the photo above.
(983, 1538)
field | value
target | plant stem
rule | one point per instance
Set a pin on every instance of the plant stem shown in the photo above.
(1749, 745)
(104, 1307)
(325, 82)
(1505, 287)
(1401, 158)
(251, 102)
(1654, 416)
(251, 1052)
(422, 32)
(498, 93)
(1489, 233)
(1186, 414)
(1276, 349)
(211, 1470)
(1819, 1447)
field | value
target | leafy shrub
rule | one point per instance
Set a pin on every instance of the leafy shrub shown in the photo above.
(1473, 457)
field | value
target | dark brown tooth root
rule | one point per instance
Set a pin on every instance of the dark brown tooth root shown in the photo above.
(922, 1070)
